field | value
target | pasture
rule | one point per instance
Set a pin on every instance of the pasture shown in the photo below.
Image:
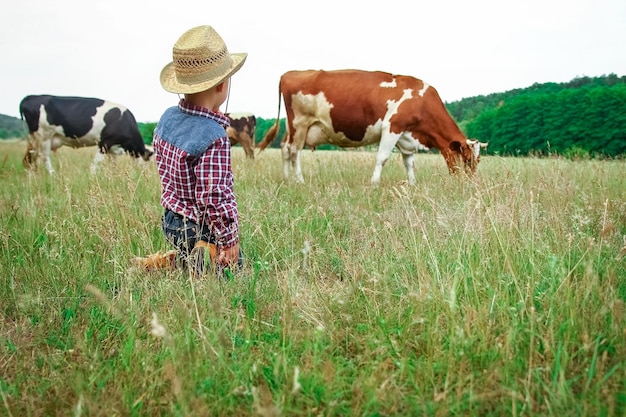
(499, 295)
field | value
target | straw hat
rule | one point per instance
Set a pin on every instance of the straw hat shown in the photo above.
(200, 61)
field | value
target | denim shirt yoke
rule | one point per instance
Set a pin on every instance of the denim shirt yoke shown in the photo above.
(192, 134)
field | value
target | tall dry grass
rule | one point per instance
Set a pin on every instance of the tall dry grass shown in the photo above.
(502, 294)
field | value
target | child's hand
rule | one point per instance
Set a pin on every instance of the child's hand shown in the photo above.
(228, 256)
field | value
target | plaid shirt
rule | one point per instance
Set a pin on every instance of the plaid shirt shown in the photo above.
(196, 180)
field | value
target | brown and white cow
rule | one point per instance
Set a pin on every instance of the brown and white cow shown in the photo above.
(55, 121)
(352, 108)
(241, 130)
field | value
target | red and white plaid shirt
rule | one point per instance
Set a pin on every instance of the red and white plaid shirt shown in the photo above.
(196, 182)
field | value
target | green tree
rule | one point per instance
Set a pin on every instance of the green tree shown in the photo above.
(584, 117)
(146, 130)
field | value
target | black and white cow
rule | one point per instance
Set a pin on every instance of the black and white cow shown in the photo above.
(54, 121)
(241, 130)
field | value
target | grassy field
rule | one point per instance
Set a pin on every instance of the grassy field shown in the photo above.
(499, 295)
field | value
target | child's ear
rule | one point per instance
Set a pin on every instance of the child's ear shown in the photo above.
(220, 87)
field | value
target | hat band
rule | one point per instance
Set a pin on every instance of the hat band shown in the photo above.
(199, 73)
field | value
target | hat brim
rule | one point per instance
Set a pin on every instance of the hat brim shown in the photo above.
(171, 84)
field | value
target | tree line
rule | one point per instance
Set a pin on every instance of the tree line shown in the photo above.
(585, 117)
(11, 127)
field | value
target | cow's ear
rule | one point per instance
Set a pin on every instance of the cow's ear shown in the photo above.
(455, 145)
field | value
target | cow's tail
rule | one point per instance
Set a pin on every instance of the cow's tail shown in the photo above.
(270, 136)
(26, 130)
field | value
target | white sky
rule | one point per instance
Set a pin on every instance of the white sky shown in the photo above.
(115, 49)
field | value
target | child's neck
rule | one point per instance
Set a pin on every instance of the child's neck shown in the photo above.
(207, 99)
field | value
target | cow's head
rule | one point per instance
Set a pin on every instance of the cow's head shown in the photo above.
(466, 155)
(147, 154)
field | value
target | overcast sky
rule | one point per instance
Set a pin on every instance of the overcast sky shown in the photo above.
(115, 49)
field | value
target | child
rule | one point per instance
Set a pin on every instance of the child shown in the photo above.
(192, 152)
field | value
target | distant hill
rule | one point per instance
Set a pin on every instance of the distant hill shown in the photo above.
(583, 117)
(467, 109)
(11, 127)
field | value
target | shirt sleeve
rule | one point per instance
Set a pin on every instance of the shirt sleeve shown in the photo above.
(215, 193)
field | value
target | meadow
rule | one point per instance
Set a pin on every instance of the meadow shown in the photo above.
(497, 295)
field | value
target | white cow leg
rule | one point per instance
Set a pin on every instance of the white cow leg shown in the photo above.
(377, 171)
(408, 160)
(298, 167)
(286, 162)
(384, 151)
(96, 161)
(45, 151)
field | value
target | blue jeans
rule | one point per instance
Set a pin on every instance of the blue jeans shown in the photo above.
(183, 234)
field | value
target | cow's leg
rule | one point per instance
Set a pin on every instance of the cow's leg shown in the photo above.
(408, 159)
(32, 152)
(387, 143)
(298, 167)
(46, 149)
(96, 161)
(291, 162)
(248, 144)
(284, 151)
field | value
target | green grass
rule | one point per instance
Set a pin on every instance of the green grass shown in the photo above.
(503, 294)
